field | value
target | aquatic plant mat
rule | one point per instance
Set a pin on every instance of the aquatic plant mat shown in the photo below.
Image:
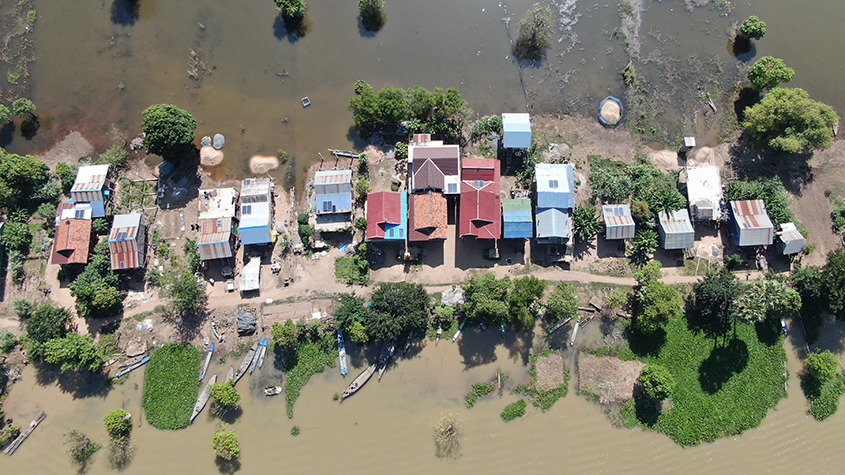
(305, 359)
(171, 385)
(721, 389)
(549, 379)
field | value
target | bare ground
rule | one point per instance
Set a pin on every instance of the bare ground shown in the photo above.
(612, 379)
(549, 372)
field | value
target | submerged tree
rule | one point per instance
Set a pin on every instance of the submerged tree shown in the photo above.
(291, 9)
(372, 14)
(225, 396)
(79, 446)
(767, 72)
(225, 443)
(24, 108)
(753, 27)
(787, 120)
(535, 33)
(448, 437)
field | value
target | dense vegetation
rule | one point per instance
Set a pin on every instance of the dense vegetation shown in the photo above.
(496, 301)
(397, 309)
(448, 437)
(767, 72)
(535, 33)
(770, 190)
(432, 112)
(95, 289)
(515, 410)
(225, 443)
(787, 120)
(478, 390)
(585, 221)
(309, 356)
(822, 384)
(169, 130)
(719, 391)
(641, 184)
(171, 385)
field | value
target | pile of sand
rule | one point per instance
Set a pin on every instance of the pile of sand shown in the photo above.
(611, 111)
(261, 164)
(209, 156)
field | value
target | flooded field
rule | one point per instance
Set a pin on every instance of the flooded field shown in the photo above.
(389, 425)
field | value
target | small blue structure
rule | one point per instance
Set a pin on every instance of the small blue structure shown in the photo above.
(555, 200)
(517, 220)
(517, 130)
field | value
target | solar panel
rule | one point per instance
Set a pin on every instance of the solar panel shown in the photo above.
(246, 209)
(553, 184)
(121, 235)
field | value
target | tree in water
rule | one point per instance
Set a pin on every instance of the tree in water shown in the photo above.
(372, 14)
(448, 437)
(753, 27)
(535, 34)
(767, 72)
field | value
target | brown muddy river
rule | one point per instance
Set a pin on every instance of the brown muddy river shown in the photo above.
(93, 73)
(388, 426)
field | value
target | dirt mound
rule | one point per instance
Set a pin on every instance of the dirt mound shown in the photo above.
(549, 372)
(261, 164)
(210, 157)
(609, 377)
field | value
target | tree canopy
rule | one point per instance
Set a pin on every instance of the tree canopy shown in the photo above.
(562, 302)
(95, 289)
(291, 9)
(770, 190)
(613, 181)
(657, 382)
(714, 301)
(525, 292)
(21, 176)
(397, 307)
(487, 297)
(765, 298)
(118, 423)
(169, 130)
(74, 352)
(833, 279)
(24, 108)
(286, 334)
(45, 323)
(535, 33)
(585, 221)
(225, 394)
(788, 120)
(349, 309)
(225, 443)
(767, 72)
(753, 27)
(657, 303)
(186, 294)
(822, 364)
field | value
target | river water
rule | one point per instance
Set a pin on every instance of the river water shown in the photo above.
(98, 68)
(389, 425)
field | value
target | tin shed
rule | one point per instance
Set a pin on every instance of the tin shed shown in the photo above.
(618, 222)
(676, 231)
(517, 130)
(791, 239)
(750, 224)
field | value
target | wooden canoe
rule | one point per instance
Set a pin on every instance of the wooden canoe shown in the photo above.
(341, 353)
(358, 382)
(202, 399)
(262, 352)
(384, 357)
(131, 361)
(231, 374)
(250, 355)
(133, 367)
(207, 361)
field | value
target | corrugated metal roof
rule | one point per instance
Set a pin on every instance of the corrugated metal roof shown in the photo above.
(517, 221)
(704, 190)
(516, 128)
(518, 230)
(251, 275)
(517, 204)
(751, 223)
(553, 223)
(555, 185)
(618, 222)
(330, 177)
(90, 178)
(676, 230)
(791, 238)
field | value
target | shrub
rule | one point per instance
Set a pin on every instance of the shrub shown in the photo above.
(489, 124)
(23, 308)
(23, 108)
(100, 226)
(514, 410)
(225, 443)
(5, 115)
(8, 434)
(302, 218)
(734, 261)
(753, 27)
(823, 365)
(585, 221)
(535, 33)
(352, 269)
(116, 156)
(362, 188)
(8, 340)
(657, 382)
(118, 423)
(294, 431)
(79, 446)
(291, 9)
(225, 394)
(16, 266)
(17, 237)
(478, 390)
(401, 151)
(192, 255)
(171, 385)
(562, 302)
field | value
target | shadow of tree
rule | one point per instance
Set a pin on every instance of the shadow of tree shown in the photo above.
(646, 343)
(698, 323)
(291, 28)
(7, 133)
(647, 411)
(753, 161)
(369, 25)
(125, 12)
(29, 127)
(227, 466)
(746, 97)
(227, 415)
(722, 364)
(769, 331)
(80, 385)
(476, 347)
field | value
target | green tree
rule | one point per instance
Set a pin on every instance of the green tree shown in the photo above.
(225, 395)
(645, 243)
(362, 188)
(753, 27)
(118, 423)
(562, 302)
(363, 105)
(361, 223)
(370, 8)
(489, 124)
(115, 156)
(225, 443)
(66, 175)
(79, 446)
(487, 297)
(656, 382)
(8, 340)
(585, 221)
(788, 120)
(397, 307)
(100, 226)
(656, 304)
(767, 72)
(349, 309)
(291, 9)
(714, 299)
(74, 352)
(192, 255)
(5, 115)
(21, 176)
(286, 334)
(358, 333)
(648, 273)
(524, 293)
(17, 236)
(169, 130)
(24, 108)
(186, 294)
(391, 105)
(822, 364)
(833, 282)
(95, 289)
(46, 323)
(766, 298)
(535, 33)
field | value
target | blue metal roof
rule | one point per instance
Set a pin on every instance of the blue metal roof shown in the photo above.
(517, 230)
(553, 222)
(334, 203)
(555, 186)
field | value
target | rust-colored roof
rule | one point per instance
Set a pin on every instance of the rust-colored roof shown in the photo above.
(481, 205)
(72, 242)
(427, 217)
(214, 230)
(428, 175)
(383, 207)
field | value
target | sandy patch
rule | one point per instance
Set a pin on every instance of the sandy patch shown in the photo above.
(609, 377)
(549, 372)
(70, 149)
(665, 159)
(210, 157)
(261, 164)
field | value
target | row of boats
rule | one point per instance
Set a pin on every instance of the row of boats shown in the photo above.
(254, 359)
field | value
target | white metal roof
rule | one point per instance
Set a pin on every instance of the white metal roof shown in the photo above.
(255, 215)
(517, 130)
(704, 188)
(675, 222)
(218, 203)
(92, 174)
(250, 275)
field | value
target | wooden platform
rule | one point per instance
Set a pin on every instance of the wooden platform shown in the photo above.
(26, 433)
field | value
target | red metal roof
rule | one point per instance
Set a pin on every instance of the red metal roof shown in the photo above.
(383, 207)
(427, 217)
(72, 242)
(481, 204)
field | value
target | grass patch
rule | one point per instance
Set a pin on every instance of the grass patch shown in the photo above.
(171, 385)
(541, 398)
(352, 269)
(305, 359)
(719, 391)
(478, 390)
(449, 326)
(823, 397)
(514, 410)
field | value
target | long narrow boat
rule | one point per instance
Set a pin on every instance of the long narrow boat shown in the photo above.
(255, 358)
(408, 343)
(131, 361)
(341, 353)
(384, 357)
(135, 366)
(231, 374)
(207, 361)
(246, 362)
(358, 382)
(460, 328)
(202, 400)
(439, 332)
(262, 352)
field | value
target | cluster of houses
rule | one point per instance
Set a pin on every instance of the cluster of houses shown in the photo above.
(227, 218)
